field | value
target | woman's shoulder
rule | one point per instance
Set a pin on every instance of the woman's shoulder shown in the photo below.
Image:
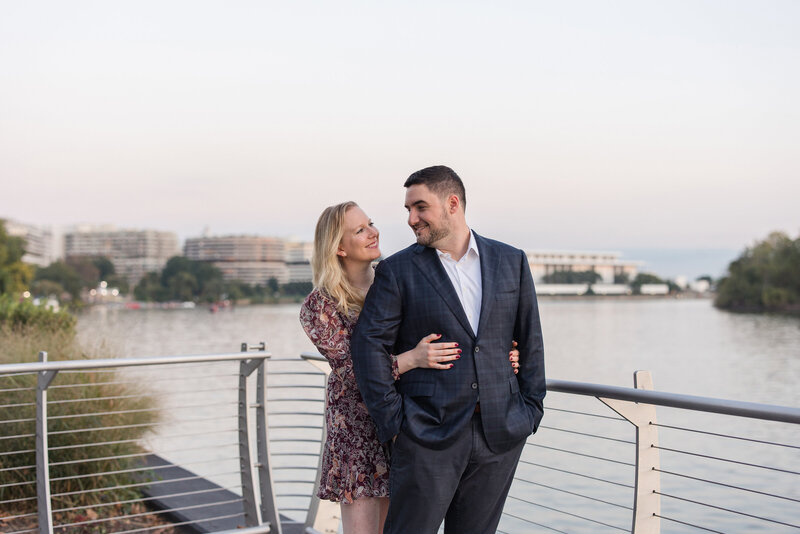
(318, 300)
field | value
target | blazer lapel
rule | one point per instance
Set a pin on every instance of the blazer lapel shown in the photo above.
(490, 263)
(429, 264)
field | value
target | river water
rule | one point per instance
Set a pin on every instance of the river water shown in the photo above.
(688, 345)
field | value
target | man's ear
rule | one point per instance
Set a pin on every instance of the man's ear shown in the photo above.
(453, 202)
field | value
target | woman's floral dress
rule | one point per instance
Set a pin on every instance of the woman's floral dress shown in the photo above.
(353, 463)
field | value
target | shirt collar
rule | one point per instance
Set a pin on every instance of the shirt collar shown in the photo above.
(473, 246)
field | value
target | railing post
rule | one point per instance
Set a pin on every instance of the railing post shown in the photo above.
(647, 501)
(269, 507)
(323, 516)
(251, 512)
(44, 506)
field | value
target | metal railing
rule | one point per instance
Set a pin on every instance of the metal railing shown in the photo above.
(60, 452)
(596, 470)
(234, 443)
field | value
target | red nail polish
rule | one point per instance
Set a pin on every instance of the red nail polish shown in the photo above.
(459, 351)
(456, 344)
(451, 366)
(457, 357)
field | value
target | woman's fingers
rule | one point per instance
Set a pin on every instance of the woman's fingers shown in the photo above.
(430, 338)
(513, 356)
(441, 354)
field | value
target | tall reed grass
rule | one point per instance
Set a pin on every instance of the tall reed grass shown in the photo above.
(96, 423)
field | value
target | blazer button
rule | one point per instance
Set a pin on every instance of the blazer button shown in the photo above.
(477, 349)
(474, 385)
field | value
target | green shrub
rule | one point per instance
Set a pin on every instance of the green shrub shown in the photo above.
(74, 399)
(15, 314)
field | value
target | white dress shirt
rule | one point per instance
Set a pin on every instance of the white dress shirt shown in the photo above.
(465, 274)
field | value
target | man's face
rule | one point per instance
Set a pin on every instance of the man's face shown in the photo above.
(427, 215)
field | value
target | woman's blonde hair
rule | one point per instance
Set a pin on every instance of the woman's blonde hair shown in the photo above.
(326, 266)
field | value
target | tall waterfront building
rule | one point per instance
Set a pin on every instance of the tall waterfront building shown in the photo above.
(134, 253)
(40, 245)
(253, 259)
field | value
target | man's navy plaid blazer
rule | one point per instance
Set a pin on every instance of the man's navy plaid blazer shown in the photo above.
(412, 297)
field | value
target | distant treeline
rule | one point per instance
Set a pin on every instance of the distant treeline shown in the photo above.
(765, 277)
(183, 279)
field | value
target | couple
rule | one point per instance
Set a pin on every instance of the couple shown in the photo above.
(424, 340)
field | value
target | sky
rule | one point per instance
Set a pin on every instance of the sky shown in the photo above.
(632, 125)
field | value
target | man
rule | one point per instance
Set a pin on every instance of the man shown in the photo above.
(456, 435)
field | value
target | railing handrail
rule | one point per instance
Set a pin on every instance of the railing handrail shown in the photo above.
(768, 412)
(754, 410)
(70, 365)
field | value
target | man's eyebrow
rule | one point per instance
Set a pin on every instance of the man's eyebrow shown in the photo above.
(417, 203)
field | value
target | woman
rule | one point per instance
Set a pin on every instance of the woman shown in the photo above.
(355, 471)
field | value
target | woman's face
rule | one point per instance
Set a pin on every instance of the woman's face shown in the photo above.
(360, 239)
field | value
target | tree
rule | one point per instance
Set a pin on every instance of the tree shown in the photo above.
(572, 277)
(182, 279)
(297, 289)
(104, 266)
(149, 288)
(47, 288)
(765, 277)
(14, 274)
(62, 274)
(272, 284)
(120, 282)
(644, 278)
(182, 286)
(87, 271)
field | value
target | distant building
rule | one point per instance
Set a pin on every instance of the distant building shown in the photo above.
(298, 260)
(607, 265)
(253, 259)
(40, 246)
(134, 253)
(654, 289)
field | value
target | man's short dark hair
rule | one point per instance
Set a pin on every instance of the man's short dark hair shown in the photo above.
(441, 180)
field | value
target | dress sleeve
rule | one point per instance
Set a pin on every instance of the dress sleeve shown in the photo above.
(395, 368)
(323, 326)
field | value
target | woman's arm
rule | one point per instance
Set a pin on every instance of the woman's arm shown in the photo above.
(438, 355)
(429, 354)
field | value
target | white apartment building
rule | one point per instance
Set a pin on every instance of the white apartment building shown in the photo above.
(134, 253)
(607, 265)
(40, 245)
(298, 260)
(253, 259)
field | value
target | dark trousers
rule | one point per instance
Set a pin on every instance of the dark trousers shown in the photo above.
(465, 485)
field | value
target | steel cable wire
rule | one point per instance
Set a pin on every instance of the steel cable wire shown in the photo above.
(728, 436)
(509, 514)
(567, 513)
(628, 486)
(574, 493)
(611, 460)
(156, 512)
(729, 510)
(728, 460)
(686, 523)
(597, 436)
(731, 486)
